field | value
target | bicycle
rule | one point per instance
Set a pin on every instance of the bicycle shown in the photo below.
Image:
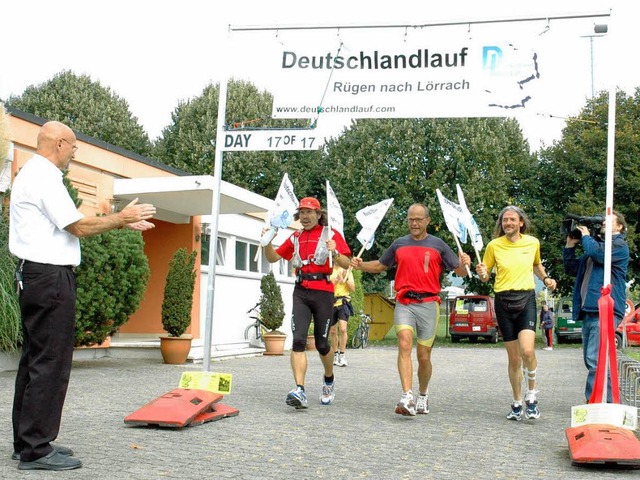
(256, 330)
(361, 335)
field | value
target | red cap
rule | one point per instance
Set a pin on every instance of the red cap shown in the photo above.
(309, 202)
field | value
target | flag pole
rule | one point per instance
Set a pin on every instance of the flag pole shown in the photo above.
(328, 220)
(461, 251)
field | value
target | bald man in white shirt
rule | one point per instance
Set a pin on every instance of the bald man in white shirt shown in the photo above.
(45, 228)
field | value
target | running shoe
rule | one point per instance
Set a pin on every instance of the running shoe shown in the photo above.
(531, 411)
(327, 394)
(515, 413)
(342, 361)
(336, 359)
(297, 398)
(406, 406)
(422, 404)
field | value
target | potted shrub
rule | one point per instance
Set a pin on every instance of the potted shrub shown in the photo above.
(176, 307)
(272, 314)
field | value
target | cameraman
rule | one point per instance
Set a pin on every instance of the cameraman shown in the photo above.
(589, 272)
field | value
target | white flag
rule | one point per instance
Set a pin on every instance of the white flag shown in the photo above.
(334, 211)
(472, 226)
(453, 216)
(281, 214)
(370, 217)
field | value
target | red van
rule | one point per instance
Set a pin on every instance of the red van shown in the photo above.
(472, 317)
(630, 322)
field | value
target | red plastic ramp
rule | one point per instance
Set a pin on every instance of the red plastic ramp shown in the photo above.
(217, 411)
(603, 444)
(176, 408)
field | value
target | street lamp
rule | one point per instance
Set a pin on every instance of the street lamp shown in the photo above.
(599, 30)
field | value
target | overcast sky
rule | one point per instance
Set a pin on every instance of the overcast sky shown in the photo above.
(157, 53)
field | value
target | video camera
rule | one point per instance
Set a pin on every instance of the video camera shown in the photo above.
(571, 222)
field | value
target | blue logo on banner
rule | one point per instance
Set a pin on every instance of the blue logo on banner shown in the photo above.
(491, 57)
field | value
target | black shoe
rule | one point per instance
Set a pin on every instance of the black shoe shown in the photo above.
(56, 448)
(53, 461)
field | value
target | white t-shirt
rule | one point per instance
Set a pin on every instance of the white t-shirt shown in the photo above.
(40, 209)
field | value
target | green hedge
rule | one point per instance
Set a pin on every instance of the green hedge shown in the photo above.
(178, 293)
(10, 323)
(111, 279)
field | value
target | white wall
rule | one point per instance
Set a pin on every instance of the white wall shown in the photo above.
(235, 291)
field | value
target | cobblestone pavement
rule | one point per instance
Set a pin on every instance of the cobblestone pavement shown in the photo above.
(466, 435)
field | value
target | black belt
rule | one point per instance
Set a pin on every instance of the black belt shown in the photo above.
(419, 295)
(312, 276)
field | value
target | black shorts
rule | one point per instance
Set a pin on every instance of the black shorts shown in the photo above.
(512, 322)
(342, 312)
(307, 305)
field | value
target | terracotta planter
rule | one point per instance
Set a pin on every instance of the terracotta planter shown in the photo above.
(274, 343)
(311, 342)
(175, 350)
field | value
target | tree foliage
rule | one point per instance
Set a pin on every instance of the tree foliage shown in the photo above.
(187, 143)
(85, 106)
(10, 323)
(572, 176)
(407, 159)
(5, 137)
(111, 279)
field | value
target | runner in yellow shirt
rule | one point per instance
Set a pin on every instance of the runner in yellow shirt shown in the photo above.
(515, 257)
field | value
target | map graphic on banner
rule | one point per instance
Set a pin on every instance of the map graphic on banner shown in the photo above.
(436, 78)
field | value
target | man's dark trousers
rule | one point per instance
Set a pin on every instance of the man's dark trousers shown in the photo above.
(48, 308)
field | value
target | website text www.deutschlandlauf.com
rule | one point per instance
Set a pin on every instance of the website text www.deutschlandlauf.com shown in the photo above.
(336, 109)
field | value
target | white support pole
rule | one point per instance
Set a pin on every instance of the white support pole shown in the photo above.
(611, 143)
(215, 210)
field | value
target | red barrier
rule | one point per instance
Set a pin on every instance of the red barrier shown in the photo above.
(176, 408)
(603, 444)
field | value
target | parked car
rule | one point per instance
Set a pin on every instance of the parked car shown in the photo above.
(566, 328)
(631, 322)
(473, 317)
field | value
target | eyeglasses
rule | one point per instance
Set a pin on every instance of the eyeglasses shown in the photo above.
(73, 147)
(416, 220)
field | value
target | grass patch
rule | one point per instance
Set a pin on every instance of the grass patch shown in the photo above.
(632, 353)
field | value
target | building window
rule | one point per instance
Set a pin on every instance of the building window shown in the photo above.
(248, 257)
(220, 251)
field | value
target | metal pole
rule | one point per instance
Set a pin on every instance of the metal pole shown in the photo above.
(249, 28)
(215, 210)
(593, 92)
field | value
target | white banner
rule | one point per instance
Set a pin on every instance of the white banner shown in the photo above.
(370, 217)
(407, 79)
(334, 211)
(472, 226)
(453, 216)
(281, 215)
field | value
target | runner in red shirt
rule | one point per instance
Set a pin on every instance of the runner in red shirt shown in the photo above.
(308, 250)
(420, 259)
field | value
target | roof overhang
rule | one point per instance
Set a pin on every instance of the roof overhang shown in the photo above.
(178, 198)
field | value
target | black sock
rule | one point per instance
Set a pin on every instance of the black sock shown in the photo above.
(301, 387)
(328, 379)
